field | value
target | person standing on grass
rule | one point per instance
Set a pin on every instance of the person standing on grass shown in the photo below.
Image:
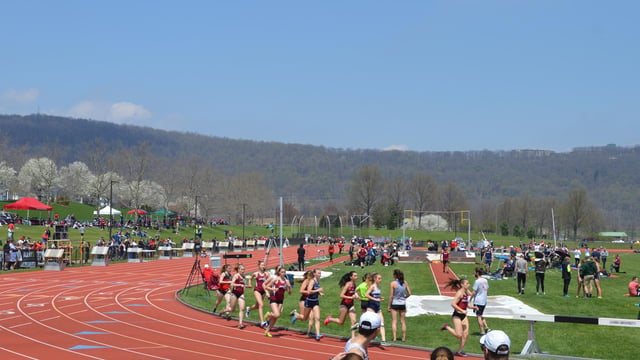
(604, 254)
(276, 285)
(237, 295)
(521, 269)
(566, 276)
(479, 296)
(312, 303)
(361, 290)
(460, 303)
(347, 301)
(576, 256)
(374, 294)
(540, 268)
(588, 271)
(332, 249)
(400, 291)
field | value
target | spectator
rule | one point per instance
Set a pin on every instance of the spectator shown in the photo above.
(616, 264)
(479, 297)
(399, 291)
(576, 256)
(521, 270)
(301, 253)
(442, 353)
(634, 287)
(604, 254)
(588, 271)
(368, 328)
(566, 276)
(540, 268)
(496, 345)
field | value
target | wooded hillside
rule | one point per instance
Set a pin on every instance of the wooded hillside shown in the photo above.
(609, 174)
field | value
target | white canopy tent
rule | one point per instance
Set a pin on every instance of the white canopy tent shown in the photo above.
(107, 210)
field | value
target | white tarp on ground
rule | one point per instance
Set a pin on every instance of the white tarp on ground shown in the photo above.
(500, 306)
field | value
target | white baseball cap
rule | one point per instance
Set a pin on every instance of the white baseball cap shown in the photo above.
(369, 321)
(497, 342)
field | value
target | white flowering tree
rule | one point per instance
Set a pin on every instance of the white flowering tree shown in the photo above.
(7, 177)
(76, 180)
(40, 177)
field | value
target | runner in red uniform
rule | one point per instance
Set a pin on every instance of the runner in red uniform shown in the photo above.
(224, 286)
(460, 320)
(276, 285)
(237, 295)
(348, 296)
(258, 291)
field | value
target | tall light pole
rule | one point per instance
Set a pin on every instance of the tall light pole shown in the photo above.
(243, 209)
(111, 207)
(195, 221)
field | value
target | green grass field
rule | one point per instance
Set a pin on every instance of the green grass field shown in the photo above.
(589, 341)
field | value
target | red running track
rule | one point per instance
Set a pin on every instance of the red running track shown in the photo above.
(130, 311)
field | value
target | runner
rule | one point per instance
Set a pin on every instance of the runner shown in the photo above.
(237, 295)
(460, 320)
(306, 278)
(312, 303)
(224, 286)
(347, 306)
(400, 291)
(375, 299)
(277, 285)
(259, 292)
(445, 259)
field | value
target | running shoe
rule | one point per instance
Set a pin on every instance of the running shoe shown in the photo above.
(318, 337)
(215, 309)
(294, 318)
(267, 334)
(293, 312)
(241, 326)
(355, 326)
(264, 324)
(461, 354)
(247, 312)
(327, 320)
(384, 343)
(309, 334)
(444, 327)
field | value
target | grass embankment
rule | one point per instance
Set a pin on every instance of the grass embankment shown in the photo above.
(588, 341)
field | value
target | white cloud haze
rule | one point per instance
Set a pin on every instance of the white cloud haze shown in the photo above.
(18, 97)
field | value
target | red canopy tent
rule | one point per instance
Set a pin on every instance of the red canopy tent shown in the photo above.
(137, 211)
(28, 203)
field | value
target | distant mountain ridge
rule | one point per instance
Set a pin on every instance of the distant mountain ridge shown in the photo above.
(609, 173)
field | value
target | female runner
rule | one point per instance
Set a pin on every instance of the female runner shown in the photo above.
(224, 286)
(258, 291)
(460, 320)
(237, 295)
(375, 298)
(400, 291)
(312, 303)
(348, 297)
(277, 285)
(306, 278)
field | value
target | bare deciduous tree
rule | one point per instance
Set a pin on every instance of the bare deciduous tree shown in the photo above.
(365, 190)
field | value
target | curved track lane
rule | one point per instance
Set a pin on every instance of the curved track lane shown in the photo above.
(129, 311)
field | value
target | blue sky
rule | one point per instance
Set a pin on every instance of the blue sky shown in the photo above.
(411, 75)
